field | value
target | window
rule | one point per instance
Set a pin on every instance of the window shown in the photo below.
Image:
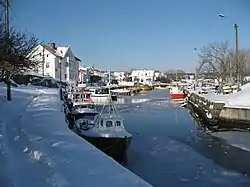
(101, 122)
(66, 76)
(47, 55)
(118, 123)
(109, 124)
(47, 64)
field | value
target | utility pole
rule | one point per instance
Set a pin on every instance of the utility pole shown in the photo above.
(43, 60)
(6, 30)
(61, 94)
(236, 50)
(237, 55)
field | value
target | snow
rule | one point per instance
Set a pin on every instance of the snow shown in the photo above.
(37, 148)
(234, 100)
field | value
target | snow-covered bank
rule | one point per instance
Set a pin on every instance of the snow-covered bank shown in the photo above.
(39, 150)
(234, 100)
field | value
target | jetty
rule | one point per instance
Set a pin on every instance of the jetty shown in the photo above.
(222, 111)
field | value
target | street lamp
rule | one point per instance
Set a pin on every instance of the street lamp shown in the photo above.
(61, 94)
(236, 49)
(196, 74)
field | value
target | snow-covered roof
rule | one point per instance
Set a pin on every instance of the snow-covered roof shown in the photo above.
(54, 50)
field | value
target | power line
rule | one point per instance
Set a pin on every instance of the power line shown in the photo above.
(17, 18)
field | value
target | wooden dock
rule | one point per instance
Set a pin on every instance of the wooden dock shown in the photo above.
(216, 115)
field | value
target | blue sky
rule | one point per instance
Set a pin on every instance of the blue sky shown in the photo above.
(123, 34)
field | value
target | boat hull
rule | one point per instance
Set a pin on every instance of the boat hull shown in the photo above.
(177, 96)
(116, 148)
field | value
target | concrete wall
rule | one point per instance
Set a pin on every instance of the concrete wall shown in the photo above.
(239, 114)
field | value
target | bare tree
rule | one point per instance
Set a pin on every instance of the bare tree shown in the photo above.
(14, 50)
(216, 58)
(244, 63)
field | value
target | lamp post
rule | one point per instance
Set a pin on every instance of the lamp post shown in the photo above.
(236, 50)
(61, 95)
(195, 75)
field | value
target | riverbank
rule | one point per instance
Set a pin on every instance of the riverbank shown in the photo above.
(222, 111)
(35, 139)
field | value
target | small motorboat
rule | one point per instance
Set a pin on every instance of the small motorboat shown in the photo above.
(176, 93)
(121, 92)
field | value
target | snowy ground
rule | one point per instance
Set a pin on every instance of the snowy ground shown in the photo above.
(238, 99)
(37, 149)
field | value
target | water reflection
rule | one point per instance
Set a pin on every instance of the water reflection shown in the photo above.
(169, 149)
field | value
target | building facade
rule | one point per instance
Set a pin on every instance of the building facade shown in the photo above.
(143, 76)
(57, 62)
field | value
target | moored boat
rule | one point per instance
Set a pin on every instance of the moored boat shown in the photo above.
(104, 130)
(161, 88)
(121, 92)
(176, 93)
(99, 95)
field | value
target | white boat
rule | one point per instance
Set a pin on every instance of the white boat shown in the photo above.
(98, 95)
(176, 93)
(121, 92)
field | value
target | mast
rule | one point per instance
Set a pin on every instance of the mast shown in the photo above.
(109, 94)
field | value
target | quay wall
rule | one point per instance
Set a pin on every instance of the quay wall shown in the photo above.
(240, 114)
(216, 114)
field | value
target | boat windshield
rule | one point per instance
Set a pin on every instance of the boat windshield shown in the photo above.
(101, 91)
(90, 106)
(89, 116)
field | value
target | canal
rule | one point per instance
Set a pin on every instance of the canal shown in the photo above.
(170, 149)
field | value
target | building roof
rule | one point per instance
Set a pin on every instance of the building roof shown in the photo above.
(59, 51)
(77, 59)
(55, 52)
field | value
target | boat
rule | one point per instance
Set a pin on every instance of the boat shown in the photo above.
(176, 93)
(145, 89)
(121, 92)
(161, 88)
(104, 130)
(99, 95)
(77, 103)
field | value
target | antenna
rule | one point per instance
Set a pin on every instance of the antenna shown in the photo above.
(109, 94)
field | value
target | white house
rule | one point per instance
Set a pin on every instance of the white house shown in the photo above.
(84, 74)
(143, 76)
(54, 60)
(119, 75)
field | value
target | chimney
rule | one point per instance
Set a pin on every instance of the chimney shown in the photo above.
(53, 45)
